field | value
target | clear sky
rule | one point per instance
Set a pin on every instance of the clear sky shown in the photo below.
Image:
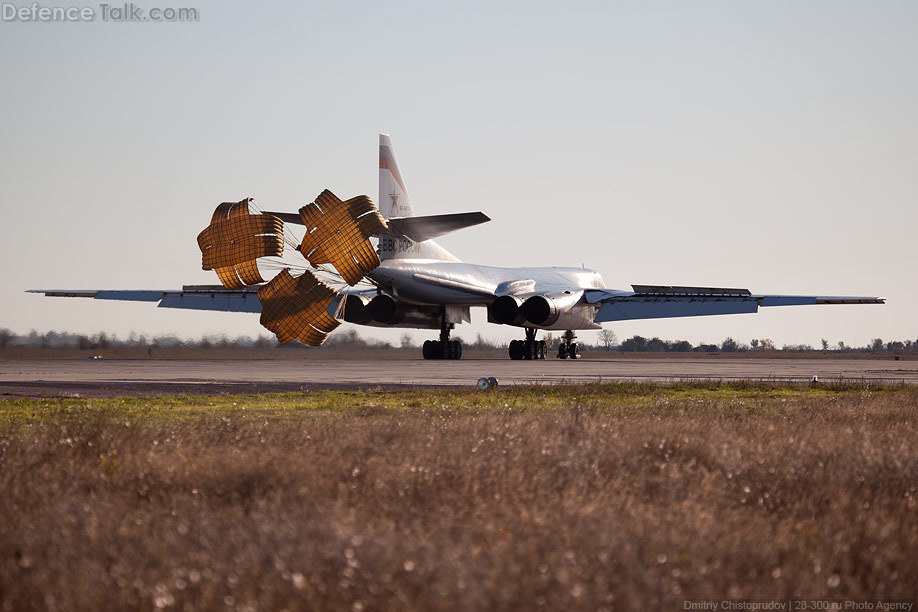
(767, 145)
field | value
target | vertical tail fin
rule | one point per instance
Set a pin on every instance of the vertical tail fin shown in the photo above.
(393, 196)
(394, 202)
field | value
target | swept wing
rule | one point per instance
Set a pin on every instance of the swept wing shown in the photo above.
(191, 297)
(662, 301)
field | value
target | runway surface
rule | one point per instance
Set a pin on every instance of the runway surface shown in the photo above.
(95, 378)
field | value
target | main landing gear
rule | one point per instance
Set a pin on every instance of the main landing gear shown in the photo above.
(530, 348)
(444, 348)
(569, 346)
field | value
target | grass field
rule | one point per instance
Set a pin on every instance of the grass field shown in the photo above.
(619, 497)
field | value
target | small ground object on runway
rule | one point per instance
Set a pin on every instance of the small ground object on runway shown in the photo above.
(487, 384)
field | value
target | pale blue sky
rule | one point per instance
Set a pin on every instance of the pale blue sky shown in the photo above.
(767, 145)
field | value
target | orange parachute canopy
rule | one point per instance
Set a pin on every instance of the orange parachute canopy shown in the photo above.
(294, 308)
(235, 238)
(337, 233)
(297, 308)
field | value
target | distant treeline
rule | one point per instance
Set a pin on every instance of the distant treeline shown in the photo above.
(103, 340)
(729, 345)
(607, 341)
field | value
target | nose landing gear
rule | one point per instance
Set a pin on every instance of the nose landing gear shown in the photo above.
(530, 348)
(569, 346)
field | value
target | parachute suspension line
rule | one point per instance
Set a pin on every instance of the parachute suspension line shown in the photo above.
(290, 241)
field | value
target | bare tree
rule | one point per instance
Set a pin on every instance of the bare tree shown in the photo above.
(406, 341)
(608, 339)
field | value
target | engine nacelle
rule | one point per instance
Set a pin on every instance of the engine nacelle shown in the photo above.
(506, 310)
(356, 308)
(383, 309)
(545, 310)
(561, 310)
(386, 311)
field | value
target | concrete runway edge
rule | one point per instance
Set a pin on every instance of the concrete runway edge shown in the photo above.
(98, 378)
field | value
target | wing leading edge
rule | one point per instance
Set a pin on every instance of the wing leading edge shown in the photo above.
(657, 302)
(644, 302)
(190, 297)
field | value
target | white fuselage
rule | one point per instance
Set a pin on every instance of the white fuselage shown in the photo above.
(401, 278)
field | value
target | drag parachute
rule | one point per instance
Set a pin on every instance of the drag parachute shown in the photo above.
(297, 308)
(337, 233)
(235, 238)
(294, 307)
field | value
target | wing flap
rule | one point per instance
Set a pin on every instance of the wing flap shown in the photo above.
(676, 290)
(622, 309)
(242, 302)
(664, 301)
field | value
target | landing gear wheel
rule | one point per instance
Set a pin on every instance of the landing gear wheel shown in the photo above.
(431, 350)
(438, 349)
(568, 346)
(528, 349)
(574, 351)
(444, 348)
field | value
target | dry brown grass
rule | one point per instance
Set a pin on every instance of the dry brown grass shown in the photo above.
(625, 497)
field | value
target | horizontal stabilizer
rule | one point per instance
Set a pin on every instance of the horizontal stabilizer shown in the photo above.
(292, 218)
(418, 229)
(429, 227)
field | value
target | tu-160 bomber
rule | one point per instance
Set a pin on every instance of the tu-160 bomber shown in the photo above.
(328, 271)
